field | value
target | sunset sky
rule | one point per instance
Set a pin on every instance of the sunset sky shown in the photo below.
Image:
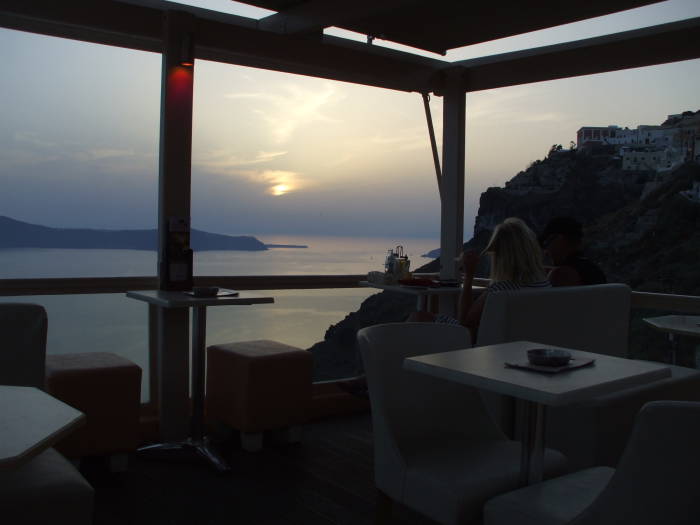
(276, 153)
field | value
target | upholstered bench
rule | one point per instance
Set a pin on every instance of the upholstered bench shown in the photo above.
(107, 389)
(46, 489)
(255, 386)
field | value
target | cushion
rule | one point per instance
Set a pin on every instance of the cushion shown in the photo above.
(464, 475)
(553, 502)
(47, 489)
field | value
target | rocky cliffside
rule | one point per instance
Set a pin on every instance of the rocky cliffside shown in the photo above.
(642, 228)
(587, 186)
(653, 243)
(336, 356)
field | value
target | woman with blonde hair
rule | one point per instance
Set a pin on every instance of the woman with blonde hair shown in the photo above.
(516, 263)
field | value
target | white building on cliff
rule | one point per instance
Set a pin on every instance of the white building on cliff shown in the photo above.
(656, 148)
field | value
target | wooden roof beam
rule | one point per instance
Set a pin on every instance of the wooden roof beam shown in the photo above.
(648, 46)
(315, 15)
(138, 24)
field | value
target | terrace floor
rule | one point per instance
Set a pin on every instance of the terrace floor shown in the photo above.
(326, 479)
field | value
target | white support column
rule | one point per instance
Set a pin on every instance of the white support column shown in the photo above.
(452, 209)
(174, 201)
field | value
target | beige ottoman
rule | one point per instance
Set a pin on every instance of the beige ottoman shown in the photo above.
(107, 389)
(255, 386)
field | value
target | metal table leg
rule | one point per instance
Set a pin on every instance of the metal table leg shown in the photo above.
(674, 347)
(197, 443)
(198, 440)
(532, 451)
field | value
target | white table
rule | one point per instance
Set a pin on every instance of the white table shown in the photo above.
(170, 299)
(673, 325)
(31, 421)
(483, 367)
(421, 292)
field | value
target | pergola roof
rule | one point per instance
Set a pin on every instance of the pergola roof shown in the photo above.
(292, 41)
(438, 25)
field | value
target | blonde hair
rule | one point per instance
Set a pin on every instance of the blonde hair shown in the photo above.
(515, 253)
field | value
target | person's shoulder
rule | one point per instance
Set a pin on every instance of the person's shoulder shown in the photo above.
(565, 276)
(588, 271)
(503, 286)
(540, 284)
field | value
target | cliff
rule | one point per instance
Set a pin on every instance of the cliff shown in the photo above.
(18, 234)
(585, 186)
(643, 230)
(653, 243)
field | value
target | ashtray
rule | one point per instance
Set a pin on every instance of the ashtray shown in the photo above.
(548, 357)
(205, 291)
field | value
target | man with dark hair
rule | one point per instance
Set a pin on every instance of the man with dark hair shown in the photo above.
(561, 240)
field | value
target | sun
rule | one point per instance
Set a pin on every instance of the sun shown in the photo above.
(280, 189)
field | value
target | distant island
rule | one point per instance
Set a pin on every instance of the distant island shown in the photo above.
(18, 234)
(286, 245)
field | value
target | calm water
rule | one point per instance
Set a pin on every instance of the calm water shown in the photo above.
(113, 323)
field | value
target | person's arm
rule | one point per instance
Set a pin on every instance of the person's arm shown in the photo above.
(470, 259)
(474, 315)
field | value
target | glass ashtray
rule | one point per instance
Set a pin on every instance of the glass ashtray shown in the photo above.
(548, 357)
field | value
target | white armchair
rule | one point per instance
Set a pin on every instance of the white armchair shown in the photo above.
(656, 481)
(47, 489)
(436, 449)
(590, 318)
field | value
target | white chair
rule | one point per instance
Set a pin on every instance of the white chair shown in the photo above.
(23, 353)
(47, 489)
(656, 481)
(590, 318)
(436, 449)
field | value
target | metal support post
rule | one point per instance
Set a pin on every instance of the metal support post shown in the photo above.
(452, 181)
(174, 201)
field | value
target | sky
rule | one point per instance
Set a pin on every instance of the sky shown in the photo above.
(275, 153)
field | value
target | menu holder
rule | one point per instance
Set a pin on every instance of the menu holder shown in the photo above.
(573, 364)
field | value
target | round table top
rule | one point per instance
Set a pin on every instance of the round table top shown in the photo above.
(676, 324)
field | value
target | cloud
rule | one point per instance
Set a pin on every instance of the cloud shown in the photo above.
(278, 182)
(223, 162)
(406, 139)
(292, 108)
(102, 153)
(31, 148)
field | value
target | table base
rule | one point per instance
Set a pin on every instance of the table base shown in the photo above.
(190, 447)
(532, 455)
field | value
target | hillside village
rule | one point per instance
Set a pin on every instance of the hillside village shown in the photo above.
(655, 148)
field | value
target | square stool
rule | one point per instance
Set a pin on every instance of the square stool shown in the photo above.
(255, 386)
(107, 389)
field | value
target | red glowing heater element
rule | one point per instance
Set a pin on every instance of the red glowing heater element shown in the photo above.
(187, 51)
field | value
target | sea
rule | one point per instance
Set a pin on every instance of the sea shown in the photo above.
(115, 323)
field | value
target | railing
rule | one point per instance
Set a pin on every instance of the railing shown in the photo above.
(100, 285)
(115, 285)
(93, 285)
